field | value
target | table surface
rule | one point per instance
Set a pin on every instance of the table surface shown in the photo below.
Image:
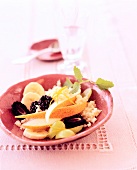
(111, 53)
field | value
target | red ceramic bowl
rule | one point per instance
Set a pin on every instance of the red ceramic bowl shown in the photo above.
(103, 99)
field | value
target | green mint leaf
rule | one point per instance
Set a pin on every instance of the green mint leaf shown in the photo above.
(78, 74)
(75, 88)
(104, 84)
(68, 83)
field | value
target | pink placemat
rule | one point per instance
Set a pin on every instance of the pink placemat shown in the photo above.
(97, 141)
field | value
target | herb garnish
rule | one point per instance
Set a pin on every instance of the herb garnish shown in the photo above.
(101, 83)
(104, 84)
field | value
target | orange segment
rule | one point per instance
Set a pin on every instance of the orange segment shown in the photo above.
(41, 114)
(67, 102)
(67, 111)
(33, 115)
(56, 105)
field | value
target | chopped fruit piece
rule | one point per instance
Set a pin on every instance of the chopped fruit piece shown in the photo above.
(55, 128)
(60, 91)
(33, 115)
(53, 106)
(64, 134)
(87, 93)
(38, 124)
(34, 106)
(35, 134)
(76, 88)
(67, 102)
(56, 105)
(74, 121)
(45, 102)
(35, 88)
(67, 111)
(77, 129)
(19, 108)
(29, 98)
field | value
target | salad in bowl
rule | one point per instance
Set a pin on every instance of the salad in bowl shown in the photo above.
(55, 108)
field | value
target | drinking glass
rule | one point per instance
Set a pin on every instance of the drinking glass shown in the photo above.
(71, 30)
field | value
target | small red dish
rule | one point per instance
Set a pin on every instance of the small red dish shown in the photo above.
(103, 99)
(40, 45)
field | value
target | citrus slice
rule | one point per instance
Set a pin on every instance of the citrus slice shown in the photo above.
(66, 102)
(35, 88)
(33, 115)
(60, 104)
(38, 124)
(64, 134)
(42, 113)
(35, 134)
(55, 128)
(59, 92)
(67, 111)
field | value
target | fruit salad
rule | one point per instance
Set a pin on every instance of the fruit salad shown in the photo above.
(59, 112)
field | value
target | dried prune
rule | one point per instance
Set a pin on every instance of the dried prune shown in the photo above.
(74, 121)
(19, 108)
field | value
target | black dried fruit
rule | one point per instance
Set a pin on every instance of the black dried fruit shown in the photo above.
(74, 121)
(45, 101)
(19, 108)
(34, 106)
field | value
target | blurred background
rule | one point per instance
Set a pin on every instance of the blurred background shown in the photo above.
(33, 20)
(23, 22)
